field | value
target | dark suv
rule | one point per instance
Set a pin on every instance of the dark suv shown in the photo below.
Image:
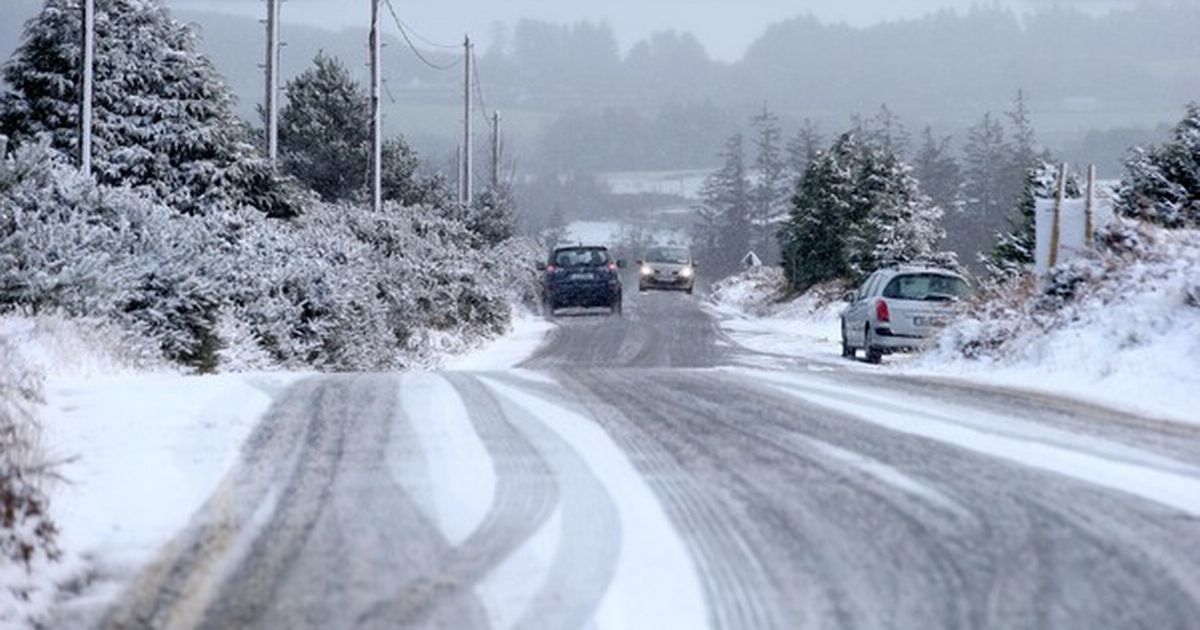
(582, 276)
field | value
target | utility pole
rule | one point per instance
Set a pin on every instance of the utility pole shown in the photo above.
(376, 114)
(1089, 211)
(465, 191)
(86, 85)
(495, 152)
(271, 103)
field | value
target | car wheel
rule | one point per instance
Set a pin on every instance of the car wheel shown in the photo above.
(874, 355)
(689, 290)
(616, 308)
(847, 349)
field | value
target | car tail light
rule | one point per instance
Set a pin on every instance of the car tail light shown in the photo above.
(612, 266)
(549, 268)
(882, 313)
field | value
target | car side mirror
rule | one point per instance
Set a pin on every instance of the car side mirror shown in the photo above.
(622, 264)
(849, 296)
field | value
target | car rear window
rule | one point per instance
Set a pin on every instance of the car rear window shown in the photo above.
(925, 286)
(581, 257)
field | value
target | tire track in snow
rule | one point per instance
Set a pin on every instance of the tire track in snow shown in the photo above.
(525, 494)
(650, 580)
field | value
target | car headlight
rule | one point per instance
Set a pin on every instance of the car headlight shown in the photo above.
(686, 272)
(647, 270)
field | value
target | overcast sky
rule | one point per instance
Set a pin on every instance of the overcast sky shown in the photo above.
(725, 26)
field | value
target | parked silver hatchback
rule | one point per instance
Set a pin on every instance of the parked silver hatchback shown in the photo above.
(899, 309)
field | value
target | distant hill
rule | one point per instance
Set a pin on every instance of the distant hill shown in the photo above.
(573, 101)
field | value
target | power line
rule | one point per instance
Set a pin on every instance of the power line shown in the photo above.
(404, 33)
(478, 89)
(424, 40)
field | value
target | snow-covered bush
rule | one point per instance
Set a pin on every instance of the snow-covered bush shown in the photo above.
(1112, 301)
(73, 246)
(341, 288)
(27, 532)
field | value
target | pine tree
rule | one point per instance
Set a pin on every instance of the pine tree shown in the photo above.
(1024, 145)
(771, 190)
(884, 130)
(986, 154)
(491, 217)
(164, 119)
(403, 182)
(938, 171)
(324, 131)
(813, 240)
(1162, 185)
(900, 224)
(726, 196)
(803, 147)
(858, 209)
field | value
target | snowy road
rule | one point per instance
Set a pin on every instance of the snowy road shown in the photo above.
(644, 472)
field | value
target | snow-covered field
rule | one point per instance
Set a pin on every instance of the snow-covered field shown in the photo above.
(613, 233)
(682, 183)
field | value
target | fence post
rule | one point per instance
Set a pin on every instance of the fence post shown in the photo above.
(1089, 226)
(1055, 227)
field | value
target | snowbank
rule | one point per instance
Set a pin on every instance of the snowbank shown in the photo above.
(1121, 328)
(135, 447)
(753, 310)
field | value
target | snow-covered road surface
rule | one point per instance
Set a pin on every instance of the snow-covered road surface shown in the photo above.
(647, 472)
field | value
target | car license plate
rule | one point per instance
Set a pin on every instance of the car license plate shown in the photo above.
(583, 276)
(929, 322)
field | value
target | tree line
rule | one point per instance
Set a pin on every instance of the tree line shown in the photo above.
(867, 200)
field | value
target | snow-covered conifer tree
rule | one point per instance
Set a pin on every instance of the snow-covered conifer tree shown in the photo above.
(324, 131)
(164, 119)
(1162, 185)
(726, 195)
(802, 148)
(771, 188)
(939, 173)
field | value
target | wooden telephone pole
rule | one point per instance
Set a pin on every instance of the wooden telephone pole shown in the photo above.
(271, 100)
(376, 113)
(86, 84)
(465, 188)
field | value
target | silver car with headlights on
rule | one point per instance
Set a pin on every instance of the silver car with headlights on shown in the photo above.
(899, 309)
(667, 268)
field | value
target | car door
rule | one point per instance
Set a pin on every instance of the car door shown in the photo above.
(856, 317)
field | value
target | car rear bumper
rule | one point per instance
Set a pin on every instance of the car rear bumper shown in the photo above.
(583, 295)
(891, 341)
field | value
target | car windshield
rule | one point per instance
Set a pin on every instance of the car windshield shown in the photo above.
(581, 257)
(926, 286)
(669, 255)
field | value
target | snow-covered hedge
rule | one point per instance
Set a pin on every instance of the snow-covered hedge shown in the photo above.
(340, 288)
